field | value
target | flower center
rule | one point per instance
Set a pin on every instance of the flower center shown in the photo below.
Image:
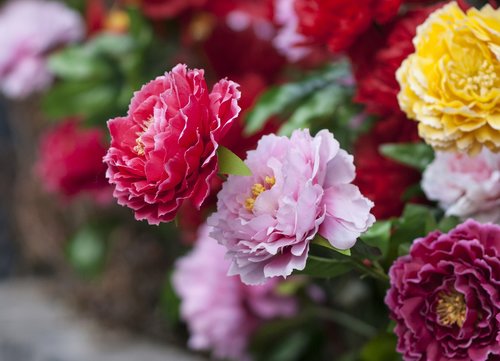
(140, 146)
(257, 189)
(451, 308)
(480, 82)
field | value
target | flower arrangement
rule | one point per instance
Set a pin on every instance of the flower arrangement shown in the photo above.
(301, 161)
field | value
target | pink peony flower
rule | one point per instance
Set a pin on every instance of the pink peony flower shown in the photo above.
(289, 41)
(465, 186)
(164, 151)
(300, 186)
(70, 162)
(220, 311)
(29, 30)
(445, 296)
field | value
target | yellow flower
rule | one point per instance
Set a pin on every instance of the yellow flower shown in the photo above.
(451, 83)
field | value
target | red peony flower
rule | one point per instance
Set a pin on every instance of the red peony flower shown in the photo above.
(338, 23)
(376, 57)
(164, 151)
(70, 161)
(445, 295)
(380, 179)
(241, 43)
(162, 9)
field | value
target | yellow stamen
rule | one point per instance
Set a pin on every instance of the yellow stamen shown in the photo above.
(257, 189)
(451, 309)
(140, 146)
(270, 180)
(249, 202)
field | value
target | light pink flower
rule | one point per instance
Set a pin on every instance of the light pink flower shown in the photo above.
(300, 186)
(29, 30)
(220, 311)
(465, 186)
(289, 41)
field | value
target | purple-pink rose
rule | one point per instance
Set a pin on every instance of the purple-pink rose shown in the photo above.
(221, 312)
(465, 186)
(445, 295)
(29, 31)
(300, 186)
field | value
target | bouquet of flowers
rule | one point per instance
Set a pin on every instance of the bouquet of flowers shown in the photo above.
(325, 174)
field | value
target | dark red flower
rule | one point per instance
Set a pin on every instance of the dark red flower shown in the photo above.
(241, 43)
(378, 54)
(445, 295)
(380, 179)
(162, 9)
(338, 23)
(164, 151)
(70, 161)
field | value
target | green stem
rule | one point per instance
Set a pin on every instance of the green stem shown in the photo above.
(347, 321)
(375, 272)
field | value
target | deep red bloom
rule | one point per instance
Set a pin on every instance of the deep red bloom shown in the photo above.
(338, 23)
(445, 295)
(70, 161)
(164, 151)
(241, 43)
(376, 57)
(162, 9)
(379, 178)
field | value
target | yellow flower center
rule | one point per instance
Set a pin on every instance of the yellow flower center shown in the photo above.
(451, 309)
(140, 146)
(480, 81)
(257, 189)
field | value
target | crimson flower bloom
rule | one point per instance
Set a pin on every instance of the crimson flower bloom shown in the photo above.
(70, 161)
(338, 23)
(164, 151)
(445, 295)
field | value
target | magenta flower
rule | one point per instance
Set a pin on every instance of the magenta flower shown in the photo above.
(445, 295)
(220, 311)
(164, 151)
(29, 30)
(300, 186)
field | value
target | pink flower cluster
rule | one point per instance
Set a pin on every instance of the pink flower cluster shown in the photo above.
(164, 151)
(301, 186)
(220, 311)
(465, 186)
(29, 30)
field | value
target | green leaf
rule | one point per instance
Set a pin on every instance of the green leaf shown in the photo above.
(230, 163)
(322, 241)
(381, 348)
(378, 236)
(114, 45)
(322, 104)
(86, 252)
(416, 221)
(84, 98)
(325, 267)
(285, 98)
(77, 63)
(448, 223)
(415, 155)
(170, 302)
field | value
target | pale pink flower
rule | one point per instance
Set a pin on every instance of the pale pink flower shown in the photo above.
(220, 311)
(29, 31)
(289, 41)
(465, 186)
(301, 186)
